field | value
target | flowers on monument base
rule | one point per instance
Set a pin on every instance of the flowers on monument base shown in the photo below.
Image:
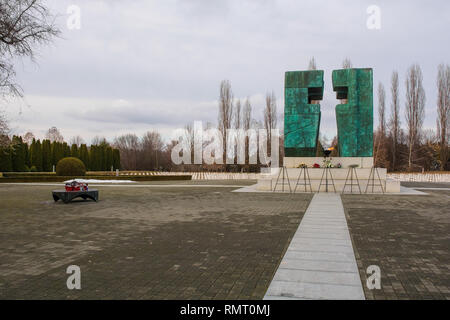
(327, 163)
(302, 165)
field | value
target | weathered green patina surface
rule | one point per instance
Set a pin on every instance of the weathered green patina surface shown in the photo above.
(354, 118)
(301, 118)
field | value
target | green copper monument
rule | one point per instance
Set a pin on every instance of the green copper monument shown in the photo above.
(355, 117)
(301, 118)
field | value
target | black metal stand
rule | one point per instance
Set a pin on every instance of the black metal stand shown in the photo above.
(306, 179)
(326, 172)
(371, 181)
(351, 184)
(67, 196)
(285, 176)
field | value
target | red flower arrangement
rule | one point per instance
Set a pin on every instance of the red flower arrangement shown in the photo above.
(316, 165)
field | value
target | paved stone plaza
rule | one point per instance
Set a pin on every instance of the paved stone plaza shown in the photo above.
(408, 237)
(199, 240)
(145, 242)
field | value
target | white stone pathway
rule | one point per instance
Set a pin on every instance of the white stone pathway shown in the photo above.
(319, 262)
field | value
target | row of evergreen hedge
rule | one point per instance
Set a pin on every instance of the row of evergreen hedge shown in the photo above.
(41, 156)
(55, 178)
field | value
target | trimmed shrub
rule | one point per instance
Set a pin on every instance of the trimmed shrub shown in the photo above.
(70, 166)
(33, 169)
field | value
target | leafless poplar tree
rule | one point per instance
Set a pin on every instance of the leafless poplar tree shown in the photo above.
(237, 115)
(246, 124)
(189, 139)
(443, 112)
(394, 122)
(23, 25)
(247, 115)
(270, 117)
(381, 109)
(225, 112)
(347, 64)
(380, 156)
(312, 64)
(415, 109)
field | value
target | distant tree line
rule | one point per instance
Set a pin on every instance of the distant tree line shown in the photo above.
(413, 148)
(150, 153)
(19, 156)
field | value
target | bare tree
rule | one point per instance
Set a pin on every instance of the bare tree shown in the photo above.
(380, 157)
(225, 112)
(347, 64)
(28, 138)
(415, 109)
(312, 64)
(394, 122)
(443, 112)
(381, 109)
(77, 140)
(270, 117)
(237, 115)
(98, 140)
(4, 130)
(23, 25)
(428, 136)
(247, 115)
(128, 146)
(189, 140)
(152, 147)
(54, 135)
(246, 124)
(324, 141)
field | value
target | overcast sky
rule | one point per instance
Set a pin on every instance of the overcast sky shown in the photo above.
(140, 65)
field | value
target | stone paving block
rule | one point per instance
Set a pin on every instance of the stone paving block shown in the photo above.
(336, 242)
(298, 246)
(317, 235)
(340, 278)
(307, 290)
(318, 256)
(323, 232)
(299, 264)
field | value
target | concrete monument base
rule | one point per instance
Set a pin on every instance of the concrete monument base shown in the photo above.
(267, 182)
(362, 162)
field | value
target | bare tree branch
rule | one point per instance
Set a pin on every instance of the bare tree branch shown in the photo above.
(24, 24)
